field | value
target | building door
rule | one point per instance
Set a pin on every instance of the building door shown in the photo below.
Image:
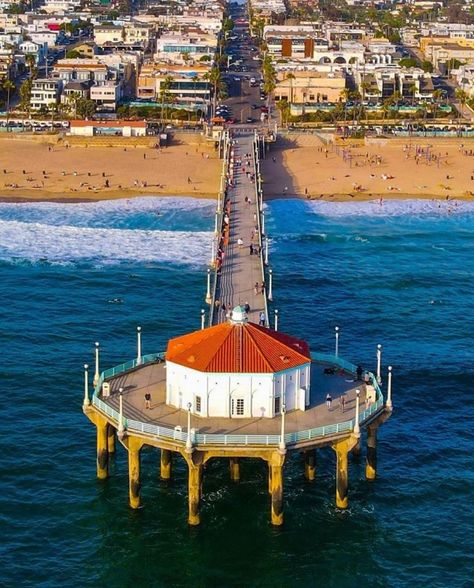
(277, 405)
(237, 407)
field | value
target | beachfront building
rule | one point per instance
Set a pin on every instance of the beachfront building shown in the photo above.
(238, 369)
(91, 128)
(106, 96)
(441, 51)
(45, 92)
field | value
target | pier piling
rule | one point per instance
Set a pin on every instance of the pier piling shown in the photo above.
(371, 458)
(165, 464)
(134, 446)
(234, 466)
(102, 449)
(310, 464)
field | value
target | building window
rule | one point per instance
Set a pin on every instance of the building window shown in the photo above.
(277, 405)
(198, 404)
(239, 407)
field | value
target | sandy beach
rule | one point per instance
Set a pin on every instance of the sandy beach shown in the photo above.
(393, 168)
(31, 170)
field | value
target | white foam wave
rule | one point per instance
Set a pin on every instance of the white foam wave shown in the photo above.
(386, 209)
(40, 242)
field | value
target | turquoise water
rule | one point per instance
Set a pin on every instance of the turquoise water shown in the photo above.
(398, 274)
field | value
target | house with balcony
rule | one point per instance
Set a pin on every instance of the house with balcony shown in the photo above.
(106, 95)
(175, 48)
(45, 92)
(310, 88)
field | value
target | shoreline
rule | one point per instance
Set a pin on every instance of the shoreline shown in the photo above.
(86, 197)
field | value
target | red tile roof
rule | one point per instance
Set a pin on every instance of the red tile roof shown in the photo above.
(238, 348)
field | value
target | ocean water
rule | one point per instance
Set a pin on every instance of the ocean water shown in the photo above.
(399, 274)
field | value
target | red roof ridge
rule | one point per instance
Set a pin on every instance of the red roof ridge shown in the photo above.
(250, 334)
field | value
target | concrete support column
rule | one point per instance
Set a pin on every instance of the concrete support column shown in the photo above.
(371, 458)
(342, 449)
(165, 464)
(269, 478)
(356, 451)
(102, 450)
(194, 492)
(276, 486)
(234, 466)
(310, 464)
(110, 439)
(134, 447)
(277, 494)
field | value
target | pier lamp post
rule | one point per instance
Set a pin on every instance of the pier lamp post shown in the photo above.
(388, 403)
(96, 374)
(356, 420)
(263, 222)
(203, 319)
(282, 445)
(208, 291)
(189, 445)
(213, 252)
(336, 333)
(266, 250)
(86, 386)
(270, 285)
(139, 345)
(216, 222)
(276, 319)
(379, 363)
(120, 423)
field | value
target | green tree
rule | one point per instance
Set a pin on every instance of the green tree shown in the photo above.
(165, 95)
(25, 95)
(408, 62)
(214, 78)
(8, 86)
(30, 60)
(85, 108)
(427, 66)
(462, 97)
(73, 54)
(284, 109)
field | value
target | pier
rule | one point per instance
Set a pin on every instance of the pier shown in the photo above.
(118, 406)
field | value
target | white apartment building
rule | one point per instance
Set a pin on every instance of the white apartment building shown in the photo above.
(45, 92)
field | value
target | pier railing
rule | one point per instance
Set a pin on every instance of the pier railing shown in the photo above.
(177, 434)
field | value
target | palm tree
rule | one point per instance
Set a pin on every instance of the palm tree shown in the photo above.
(8, 86)
(214, 78)
(165, 95)
(284, 109)
(437, 97)
(291, 77)
(461, 97)
(31, 62)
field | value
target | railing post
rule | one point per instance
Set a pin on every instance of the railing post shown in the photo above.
(276, 319)
(270, 285)
(356, 421)
(263, 222)
(379, 363)
(389, 389)
(203, 319)
(96, 374)
(208, 292)
(86, 401)
(139, 345)
(266, 249)
(336, 332)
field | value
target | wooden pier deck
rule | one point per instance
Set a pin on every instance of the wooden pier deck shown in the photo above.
(241, 272)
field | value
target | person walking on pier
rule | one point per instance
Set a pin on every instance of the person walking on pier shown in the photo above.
(261, 320)
(240, 243)
(328, 401)
(147, 400)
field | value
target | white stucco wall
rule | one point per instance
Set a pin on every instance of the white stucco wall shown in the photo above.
(219, 393)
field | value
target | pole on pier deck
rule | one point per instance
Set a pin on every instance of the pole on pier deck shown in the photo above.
(120, 429)
(388, 403)
(165, 464)
(371, 457)
(379, 363)
(282, 444)
(86, 402)
(276, 319)
(208, 291)
(203, 319)
(139, 345)
(189, 443)
(102, 449)
(266, 249)
(263, 222)
(216, 223)
(336, 332)
(310, 464)
(213, 252)
(356, 419)
(134, 446)
(96, 374)
(270, 285)
(234, 467)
